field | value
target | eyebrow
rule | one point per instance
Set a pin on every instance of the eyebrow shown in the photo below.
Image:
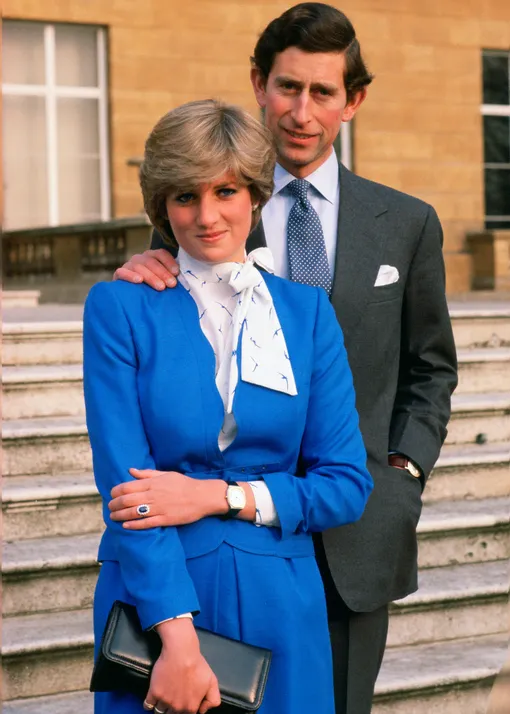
(284, 79)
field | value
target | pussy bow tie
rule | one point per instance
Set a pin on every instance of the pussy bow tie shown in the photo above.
(265, 358)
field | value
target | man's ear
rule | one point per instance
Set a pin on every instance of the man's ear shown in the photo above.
(354, 104)
(258, 83)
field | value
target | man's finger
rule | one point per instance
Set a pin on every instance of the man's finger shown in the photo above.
(156, 267)
(167, 259)
(128, 275)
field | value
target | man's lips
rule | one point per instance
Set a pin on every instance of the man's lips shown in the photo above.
(300, 137)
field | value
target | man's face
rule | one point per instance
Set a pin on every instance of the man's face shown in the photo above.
(304, 102)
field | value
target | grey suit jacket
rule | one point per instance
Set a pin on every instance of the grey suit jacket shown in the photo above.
(402, 354)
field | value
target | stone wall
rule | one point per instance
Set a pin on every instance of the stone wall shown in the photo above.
(419, 131)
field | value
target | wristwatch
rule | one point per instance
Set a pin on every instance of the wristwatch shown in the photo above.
(236, 499)
(402, 462)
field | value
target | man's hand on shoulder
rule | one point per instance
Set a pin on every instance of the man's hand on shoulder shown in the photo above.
(157, 268)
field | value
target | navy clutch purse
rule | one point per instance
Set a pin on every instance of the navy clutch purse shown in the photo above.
(128, 653)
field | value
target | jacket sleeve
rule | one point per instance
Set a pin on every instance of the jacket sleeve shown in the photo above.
(152, 562)
(334, 484)
(428, 362)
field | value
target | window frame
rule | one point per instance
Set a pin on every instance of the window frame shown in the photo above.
(51, 92)
(496, 110)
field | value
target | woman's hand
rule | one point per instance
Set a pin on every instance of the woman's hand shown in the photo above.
(174, 499)
(181, 682)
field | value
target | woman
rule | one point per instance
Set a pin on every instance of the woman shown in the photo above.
(233, 396)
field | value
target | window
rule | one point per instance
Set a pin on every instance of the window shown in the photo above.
(496, 133)
(343, 145)
(55, 125)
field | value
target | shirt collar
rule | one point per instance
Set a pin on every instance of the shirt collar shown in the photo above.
(324, 179)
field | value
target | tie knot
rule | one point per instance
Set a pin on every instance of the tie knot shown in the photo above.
(299, 189)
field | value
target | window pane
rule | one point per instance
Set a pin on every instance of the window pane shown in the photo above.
(24, 156)
(496, 135)
(495, 225)
(78, 160)
(23, 52)
(76, 56)
(497, 192)
(496, 81)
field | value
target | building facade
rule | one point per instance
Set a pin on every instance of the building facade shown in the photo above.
(84, 82)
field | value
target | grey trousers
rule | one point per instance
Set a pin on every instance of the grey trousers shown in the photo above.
(358, 640)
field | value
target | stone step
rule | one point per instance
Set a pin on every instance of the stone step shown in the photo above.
(470, 471)
(453, 602)
(45, 505)
(33, 343)
(49, 574)
(480, 324)
(52, 654)
(483, 370)
(479, 417)
(76, 702)
(20, 298)
(49, 653)
(443, 678)
(457, 532)
(46, 445)
(42, 390)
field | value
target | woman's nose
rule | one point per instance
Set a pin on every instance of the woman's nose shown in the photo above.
(207, 212)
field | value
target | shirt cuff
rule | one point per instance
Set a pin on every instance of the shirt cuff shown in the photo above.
(265, 510)
(185, 615)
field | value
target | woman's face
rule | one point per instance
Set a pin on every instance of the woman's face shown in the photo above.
(212, 221)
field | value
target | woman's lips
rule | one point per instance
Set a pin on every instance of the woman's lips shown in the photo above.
(211, 237)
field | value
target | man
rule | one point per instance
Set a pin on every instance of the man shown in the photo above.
(378, 253)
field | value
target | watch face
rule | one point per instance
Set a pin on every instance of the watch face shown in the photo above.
(413, 470)
(236, 497)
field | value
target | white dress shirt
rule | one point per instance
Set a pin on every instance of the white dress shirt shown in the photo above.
(324, 195)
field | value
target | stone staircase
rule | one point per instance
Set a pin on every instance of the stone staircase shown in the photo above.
(446, 642)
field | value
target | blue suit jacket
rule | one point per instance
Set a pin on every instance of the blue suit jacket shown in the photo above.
(152, 402)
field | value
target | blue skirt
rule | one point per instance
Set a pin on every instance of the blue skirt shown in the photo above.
(268, 601)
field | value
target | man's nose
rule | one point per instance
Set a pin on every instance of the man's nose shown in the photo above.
(207, 212)
(301, 109)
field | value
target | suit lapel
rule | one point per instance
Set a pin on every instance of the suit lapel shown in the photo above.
(360, 242)
(257, 238)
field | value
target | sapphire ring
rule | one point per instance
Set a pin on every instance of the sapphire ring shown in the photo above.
(143, 509)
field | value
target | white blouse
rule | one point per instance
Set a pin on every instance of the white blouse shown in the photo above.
(233, 299)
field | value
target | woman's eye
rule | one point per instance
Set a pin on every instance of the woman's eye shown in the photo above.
(227, 191)
(184, 198)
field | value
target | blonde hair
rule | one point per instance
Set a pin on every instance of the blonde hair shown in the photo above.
(197, 143)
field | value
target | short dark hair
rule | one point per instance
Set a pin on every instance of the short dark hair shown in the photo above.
(313, 27)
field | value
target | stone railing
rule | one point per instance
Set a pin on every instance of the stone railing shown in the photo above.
(63, 262)
(490, 251)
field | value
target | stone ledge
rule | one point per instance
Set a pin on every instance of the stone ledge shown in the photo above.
(422, 668)
(44, 554)
(464, 515)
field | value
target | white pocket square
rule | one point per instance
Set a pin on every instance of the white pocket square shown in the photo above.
(387, 275)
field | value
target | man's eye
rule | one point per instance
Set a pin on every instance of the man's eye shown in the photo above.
(324, 92)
